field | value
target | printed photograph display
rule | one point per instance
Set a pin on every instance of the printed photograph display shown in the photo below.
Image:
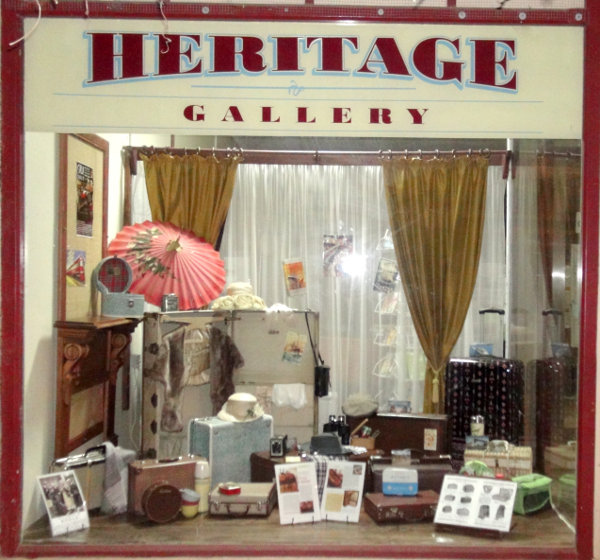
(297, 493)
(480, 503)
(342, 495)
(65, 505)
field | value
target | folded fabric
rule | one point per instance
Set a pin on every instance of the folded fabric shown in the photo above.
(289, 394)
(114, 500)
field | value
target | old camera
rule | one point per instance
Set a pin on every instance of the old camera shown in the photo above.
(278, 446)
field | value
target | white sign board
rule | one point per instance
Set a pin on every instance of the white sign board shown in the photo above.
(304, 79)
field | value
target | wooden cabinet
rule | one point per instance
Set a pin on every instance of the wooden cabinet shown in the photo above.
(423, 432)
(90, 353)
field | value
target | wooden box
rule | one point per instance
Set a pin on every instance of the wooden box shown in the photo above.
(423, 432)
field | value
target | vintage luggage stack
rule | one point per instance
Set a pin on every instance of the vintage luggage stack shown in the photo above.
(229, 445)
(407, 509)
(487, 386)
(556, 396)
(431, 470)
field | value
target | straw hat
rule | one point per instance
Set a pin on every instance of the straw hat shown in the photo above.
(241, 407)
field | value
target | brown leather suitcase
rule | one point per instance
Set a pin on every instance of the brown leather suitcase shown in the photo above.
(403, 509)
(431, 470)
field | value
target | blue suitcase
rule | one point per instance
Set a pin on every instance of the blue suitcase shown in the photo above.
(228, 445)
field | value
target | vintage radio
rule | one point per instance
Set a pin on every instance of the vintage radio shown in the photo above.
(154, 486)
(113, 277)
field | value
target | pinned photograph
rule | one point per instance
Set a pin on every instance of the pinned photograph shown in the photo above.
(293, 274)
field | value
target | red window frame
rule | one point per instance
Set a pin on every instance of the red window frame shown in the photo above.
(12, 253)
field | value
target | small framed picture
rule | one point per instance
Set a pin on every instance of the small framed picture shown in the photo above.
(64, 501)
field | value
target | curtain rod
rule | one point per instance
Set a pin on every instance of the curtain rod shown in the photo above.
(313, 157)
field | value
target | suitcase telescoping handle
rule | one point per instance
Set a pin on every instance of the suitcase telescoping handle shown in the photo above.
(500, 313)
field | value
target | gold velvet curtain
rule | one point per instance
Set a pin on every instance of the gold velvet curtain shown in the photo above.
(191, 191)
(558, 193)
(436, 210)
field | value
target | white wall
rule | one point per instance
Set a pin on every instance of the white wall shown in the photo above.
(41, 238)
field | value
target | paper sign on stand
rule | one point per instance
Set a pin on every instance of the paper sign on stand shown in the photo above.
(63, 498)
(297, 493)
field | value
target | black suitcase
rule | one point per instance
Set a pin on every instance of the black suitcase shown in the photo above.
(556, 403)
(488, 386)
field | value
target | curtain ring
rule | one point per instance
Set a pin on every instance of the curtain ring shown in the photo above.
(437, 154)
(316, 156)
(485, 152)
(453, 153)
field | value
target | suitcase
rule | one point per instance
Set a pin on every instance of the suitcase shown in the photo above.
(488, 386)
(89, 468)
(560, 460)
(148, 474)
(556, 397)
(431, 470)
(229, 445)
(385, 509)
(422, 432)
(256, 499)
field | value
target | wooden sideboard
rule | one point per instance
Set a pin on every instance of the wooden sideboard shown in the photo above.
(90, 353)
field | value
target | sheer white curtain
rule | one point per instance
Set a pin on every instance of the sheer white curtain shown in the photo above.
(281, 212)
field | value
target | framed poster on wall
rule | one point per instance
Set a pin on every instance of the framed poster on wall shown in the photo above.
(83, 196)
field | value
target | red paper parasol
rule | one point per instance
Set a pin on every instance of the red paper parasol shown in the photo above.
(166, 259)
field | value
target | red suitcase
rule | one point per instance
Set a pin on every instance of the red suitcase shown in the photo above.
(405, 509)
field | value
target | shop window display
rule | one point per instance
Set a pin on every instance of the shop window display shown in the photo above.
(542, 333)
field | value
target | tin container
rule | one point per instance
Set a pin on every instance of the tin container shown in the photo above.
(169, 302)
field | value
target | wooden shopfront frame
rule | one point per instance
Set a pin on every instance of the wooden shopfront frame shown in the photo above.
(13, 257)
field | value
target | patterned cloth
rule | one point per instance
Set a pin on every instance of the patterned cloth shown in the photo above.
(321, 462)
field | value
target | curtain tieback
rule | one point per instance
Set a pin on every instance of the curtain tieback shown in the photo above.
(435, 388)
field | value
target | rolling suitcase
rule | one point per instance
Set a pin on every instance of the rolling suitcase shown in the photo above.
(229, 445)
(488, 386)
(555, 390)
